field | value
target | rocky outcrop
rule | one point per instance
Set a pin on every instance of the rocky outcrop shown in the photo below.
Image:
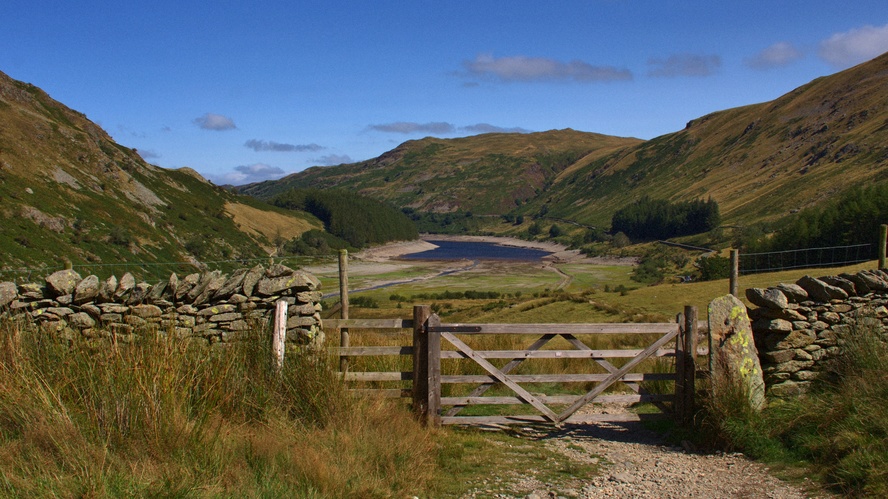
(800, 327)
(211, 306)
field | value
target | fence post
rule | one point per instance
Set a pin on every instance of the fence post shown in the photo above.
(427, 377)
(279, 334)
(421, 314)
(883, 238)
(678, 400)
(686, 366)
(735, 272)
(343, 301)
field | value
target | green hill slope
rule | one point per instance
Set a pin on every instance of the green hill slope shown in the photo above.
(69, 191)
(759, 162)
(485, 174)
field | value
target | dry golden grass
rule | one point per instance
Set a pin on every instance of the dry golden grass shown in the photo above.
(268, 224)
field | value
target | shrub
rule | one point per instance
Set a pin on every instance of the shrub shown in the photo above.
(363, 302)
(119, 236)
(714, 267)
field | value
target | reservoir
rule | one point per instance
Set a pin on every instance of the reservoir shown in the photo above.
(474, 250)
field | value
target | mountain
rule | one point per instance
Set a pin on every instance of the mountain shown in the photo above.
(759, 162)
(485, 174)
(68, 191)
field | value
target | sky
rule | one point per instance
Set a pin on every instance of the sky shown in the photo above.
(248, 91)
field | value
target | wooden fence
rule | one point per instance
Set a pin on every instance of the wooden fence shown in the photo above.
(678, 340)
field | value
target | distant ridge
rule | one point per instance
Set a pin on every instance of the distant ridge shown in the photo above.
(760, 162)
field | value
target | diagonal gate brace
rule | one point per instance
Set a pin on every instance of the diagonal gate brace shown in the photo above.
(616, 375)
(521, 392)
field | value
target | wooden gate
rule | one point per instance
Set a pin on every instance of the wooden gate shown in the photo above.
(434, 341)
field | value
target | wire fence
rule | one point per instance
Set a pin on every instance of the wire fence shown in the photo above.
(156, 271)
(832, 256)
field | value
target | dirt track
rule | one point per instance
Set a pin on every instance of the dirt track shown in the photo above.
(637, 462)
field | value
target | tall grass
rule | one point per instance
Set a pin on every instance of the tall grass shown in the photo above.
(839, 430)
(165, 416)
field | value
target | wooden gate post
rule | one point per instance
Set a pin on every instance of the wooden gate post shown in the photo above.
(883, 239)
(427, 366)
(279, 335)
(686, 366)
(424, 389)
(735, 272)
(343, 302)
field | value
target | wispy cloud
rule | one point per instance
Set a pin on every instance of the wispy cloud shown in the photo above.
(246, 174)
(684, 65)
(532, 69)
(332, 159)
(407, 127)
(779, 55)
(215, 122)
(488, 128)
(268, 145)
(147, 154)
(852, 47)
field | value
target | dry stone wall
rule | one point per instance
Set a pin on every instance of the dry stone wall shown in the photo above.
(799, 328)
(210, 306)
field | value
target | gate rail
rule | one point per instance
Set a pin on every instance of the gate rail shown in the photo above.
(427, 380)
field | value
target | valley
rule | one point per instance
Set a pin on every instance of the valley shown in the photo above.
(72, 197)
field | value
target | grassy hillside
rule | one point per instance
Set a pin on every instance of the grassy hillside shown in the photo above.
(759, 162)
(69, 191)
(485, 174)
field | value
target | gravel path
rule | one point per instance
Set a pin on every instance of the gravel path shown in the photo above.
(637, 462)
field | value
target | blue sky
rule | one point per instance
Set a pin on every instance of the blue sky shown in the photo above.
(246, 91)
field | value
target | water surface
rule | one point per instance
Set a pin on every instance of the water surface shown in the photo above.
(475, 250)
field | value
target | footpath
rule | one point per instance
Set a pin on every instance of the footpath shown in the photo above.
(638, 463)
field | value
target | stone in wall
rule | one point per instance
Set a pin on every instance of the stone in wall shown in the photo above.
(797, 342)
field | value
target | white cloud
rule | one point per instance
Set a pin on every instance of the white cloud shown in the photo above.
(684, 65)
(216, 122)
(528, 69)
(855, 46)
(438, 127)
(267, 145)
(488, 128)
(333, 159)
(776, 56)
(247, 174)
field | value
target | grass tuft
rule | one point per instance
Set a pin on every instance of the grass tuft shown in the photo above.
(166, 417)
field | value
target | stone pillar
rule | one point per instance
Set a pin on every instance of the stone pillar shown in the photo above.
(734, 358)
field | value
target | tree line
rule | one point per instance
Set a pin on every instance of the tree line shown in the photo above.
(356, 219)
(852, 218)
(650, 219)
